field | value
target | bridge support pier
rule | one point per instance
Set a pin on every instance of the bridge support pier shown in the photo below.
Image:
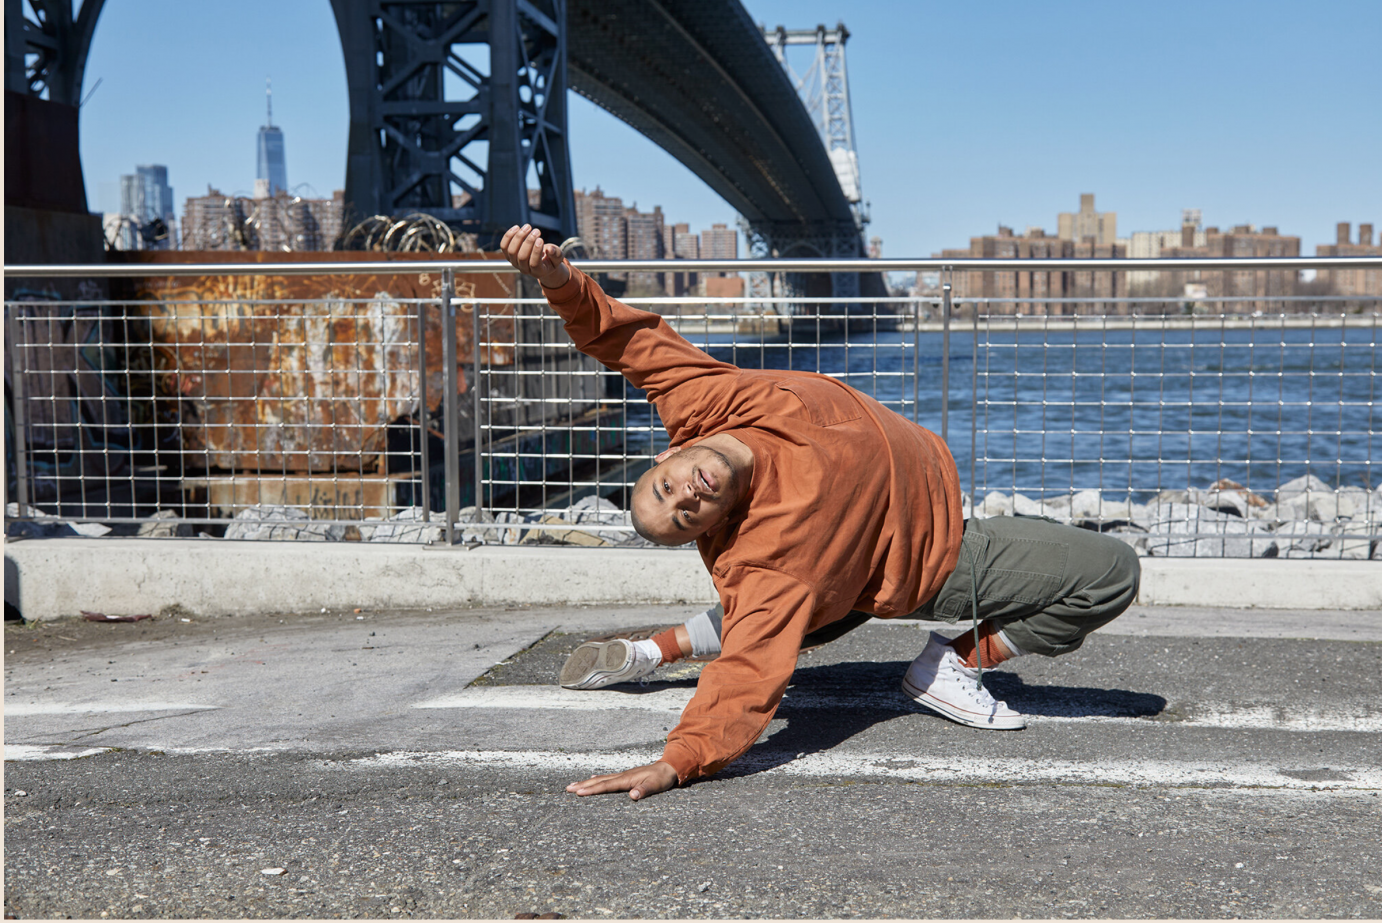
(458, 110)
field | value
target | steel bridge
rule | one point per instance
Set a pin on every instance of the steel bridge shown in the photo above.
(437, 127)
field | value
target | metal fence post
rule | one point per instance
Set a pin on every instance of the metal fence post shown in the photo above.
(945, 361)
(21, 467)
(453, 460)
(475, 407)
(916, 362)
(974, 408)
(422, 409)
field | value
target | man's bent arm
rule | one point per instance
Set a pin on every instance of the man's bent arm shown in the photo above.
(767, 614)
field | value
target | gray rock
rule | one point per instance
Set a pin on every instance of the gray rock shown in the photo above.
(270, 522)
(1087, 504)
(165, 524)
(1352, 540)
(1223, 501)
(1306, 483)
(1172, 496)
(1309, 495)
(1025, 506)
(1186, 530)
(48, 528)
(995, 504)
(596, 510)
(407, 526)
(508, 536)
(1355, 503)
(1304, 538)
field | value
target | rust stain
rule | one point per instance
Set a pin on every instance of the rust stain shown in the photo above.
(303, 373)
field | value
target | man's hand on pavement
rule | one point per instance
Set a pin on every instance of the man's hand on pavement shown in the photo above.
(639, 783)
(523, 247)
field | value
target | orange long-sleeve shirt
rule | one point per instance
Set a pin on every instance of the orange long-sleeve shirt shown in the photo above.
(851, 506)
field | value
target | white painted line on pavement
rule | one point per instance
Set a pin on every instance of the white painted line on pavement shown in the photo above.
(1359, 717)
(26, 753)
(557, 698)
(923, 769)
(23, 709)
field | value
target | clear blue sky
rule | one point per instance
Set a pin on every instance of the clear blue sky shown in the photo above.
(967, 115)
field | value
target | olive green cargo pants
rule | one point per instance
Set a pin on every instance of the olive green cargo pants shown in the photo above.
(1045, 584)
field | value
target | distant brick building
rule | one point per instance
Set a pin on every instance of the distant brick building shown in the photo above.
(720, 243)
(1351, 281)
(282, 222)
(601, 224)
(615, 232)
(1258, 286)
(1037, 244)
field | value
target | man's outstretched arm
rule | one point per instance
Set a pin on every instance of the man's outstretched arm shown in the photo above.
(637, 344)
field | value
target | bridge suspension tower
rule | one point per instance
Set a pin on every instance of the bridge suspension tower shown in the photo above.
(824, 90)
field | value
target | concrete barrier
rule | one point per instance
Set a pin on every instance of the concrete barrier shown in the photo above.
(52, 578)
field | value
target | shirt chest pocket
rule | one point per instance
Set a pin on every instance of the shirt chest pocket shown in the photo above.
(826, 403)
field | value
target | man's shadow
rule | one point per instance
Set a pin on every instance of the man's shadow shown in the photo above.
(828, 704)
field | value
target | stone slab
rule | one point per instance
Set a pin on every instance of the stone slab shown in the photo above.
(55, 577)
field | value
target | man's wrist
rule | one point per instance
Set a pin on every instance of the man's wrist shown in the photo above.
(553, 288)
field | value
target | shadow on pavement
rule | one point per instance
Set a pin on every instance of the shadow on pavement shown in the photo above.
(813, 728)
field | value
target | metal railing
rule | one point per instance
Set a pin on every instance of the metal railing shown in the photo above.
(468, 418)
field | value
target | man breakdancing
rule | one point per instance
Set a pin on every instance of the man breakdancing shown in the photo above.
(809, 500)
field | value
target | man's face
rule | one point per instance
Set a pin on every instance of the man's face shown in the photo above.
(687, 495)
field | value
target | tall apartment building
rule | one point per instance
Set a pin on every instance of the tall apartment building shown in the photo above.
(219, 222)
(612, 231)
(1088, 223)
(1259, 287)
(721, 242)
(682, 244)
(1351, 281)
(644, 233)
(601, 223)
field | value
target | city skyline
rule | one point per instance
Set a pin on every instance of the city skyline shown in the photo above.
(1253, 112)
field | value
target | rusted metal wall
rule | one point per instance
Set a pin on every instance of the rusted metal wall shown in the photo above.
(303, 373)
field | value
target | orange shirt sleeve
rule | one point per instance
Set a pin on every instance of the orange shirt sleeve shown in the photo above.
(641, 346)
(766, 616)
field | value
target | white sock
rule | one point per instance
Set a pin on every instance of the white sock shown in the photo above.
(1008, 643)
(647, 650)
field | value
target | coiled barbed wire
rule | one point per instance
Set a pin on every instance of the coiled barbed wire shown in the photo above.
(415, 233)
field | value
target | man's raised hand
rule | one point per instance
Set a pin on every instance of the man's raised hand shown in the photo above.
(639, 783)
(524, 248)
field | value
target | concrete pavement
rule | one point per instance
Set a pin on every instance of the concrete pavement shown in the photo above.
(1185, 763)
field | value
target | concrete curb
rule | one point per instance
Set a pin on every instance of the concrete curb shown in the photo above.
(56, 577)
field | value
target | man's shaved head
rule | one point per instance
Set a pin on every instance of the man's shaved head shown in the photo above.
(689, 493)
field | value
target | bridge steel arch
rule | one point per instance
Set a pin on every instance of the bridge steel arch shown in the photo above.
(697, 78)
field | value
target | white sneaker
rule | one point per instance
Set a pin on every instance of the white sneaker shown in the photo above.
(938, 680)
(596, 664)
